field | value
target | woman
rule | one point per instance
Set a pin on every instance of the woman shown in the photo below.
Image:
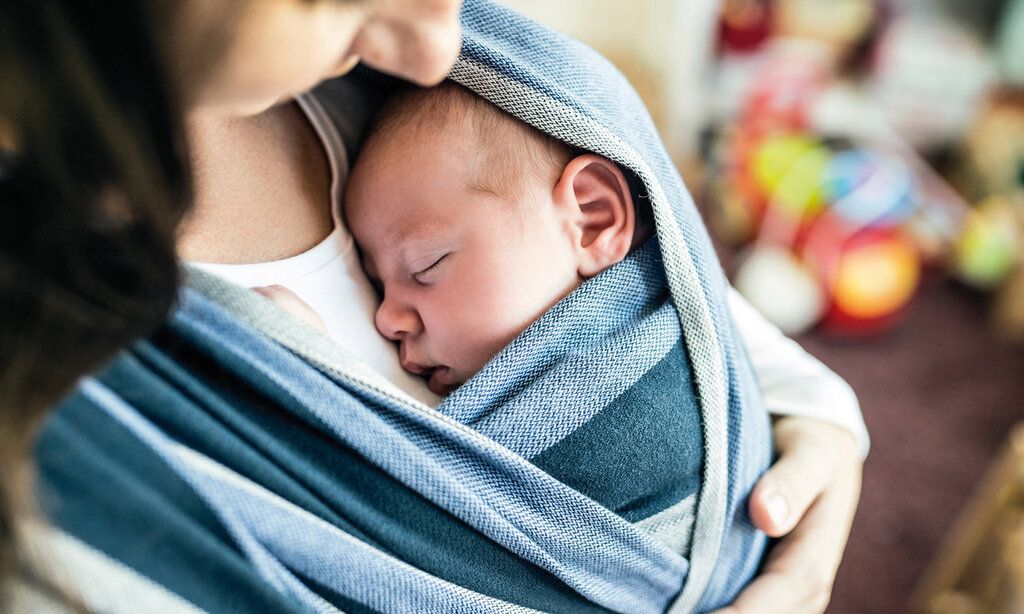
(109, 213)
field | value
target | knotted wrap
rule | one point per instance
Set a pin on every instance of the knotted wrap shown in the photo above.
(238, 461)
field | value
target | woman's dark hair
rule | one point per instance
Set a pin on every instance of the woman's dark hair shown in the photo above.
(93, 183)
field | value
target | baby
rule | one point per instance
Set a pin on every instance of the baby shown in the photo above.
(472, 224)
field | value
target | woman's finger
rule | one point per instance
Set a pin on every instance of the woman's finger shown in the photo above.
(798, 575)
(775, 594)
(790, 585)
(800, 571)
(290, 302)
(809, 452)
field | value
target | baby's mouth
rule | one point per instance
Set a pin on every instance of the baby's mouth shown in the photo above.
(440, 379)
(440, 383)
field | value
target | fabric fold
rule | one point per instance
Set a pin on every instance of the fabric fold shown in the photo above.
(244, 462)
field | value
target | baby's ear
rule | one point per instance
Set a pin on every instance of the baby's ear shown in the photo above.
(595, 197)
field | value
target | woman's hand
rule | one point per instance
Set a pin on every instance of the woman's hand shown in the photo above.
(809, 496)
(290, 302)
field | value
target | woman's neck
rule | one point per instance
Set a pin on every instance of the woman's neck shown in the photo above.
(262, 188)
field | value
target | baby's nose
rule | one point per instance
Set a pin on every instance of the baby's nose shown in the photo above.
(397, 320)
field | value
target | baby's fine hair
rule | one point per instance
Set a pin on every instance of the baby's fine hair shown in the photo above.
(504, 147)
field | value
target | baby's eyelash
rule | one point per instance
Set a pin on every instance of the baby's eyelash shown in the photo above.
(417, 274)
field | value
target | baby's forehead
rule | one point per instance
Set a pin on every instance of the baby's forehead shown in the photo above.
(401, 218)
(416, 114)
(452, 137)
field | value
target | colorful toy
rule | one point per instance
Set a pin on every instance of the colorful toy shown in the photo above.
(869, 189)
(781, 173)
(831, 246)
(780, 286)
(987, 250)
(789, 169)
(870, 275)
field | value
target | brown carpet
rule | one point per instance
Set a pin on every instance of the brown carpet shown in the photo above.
(939, 395)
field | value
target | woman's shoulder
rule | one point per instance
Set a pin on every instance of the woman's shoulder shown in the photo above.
(59, 574)
(23, 596)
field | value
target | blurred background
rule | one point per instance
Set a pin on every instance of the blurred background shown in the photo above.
(860, 164)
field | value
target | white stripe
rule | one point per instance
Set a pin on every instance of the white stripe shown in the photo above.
(672, 526)
(99, 582)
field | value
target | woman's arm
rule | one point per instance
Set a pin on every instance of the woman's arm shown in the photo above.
(808, 498)
(794, 383)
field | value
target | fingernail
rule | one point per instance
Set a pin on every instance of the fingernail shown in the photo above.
(778, 509)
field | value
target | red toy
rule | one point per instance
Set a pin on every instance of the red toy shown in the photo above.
(869, 274)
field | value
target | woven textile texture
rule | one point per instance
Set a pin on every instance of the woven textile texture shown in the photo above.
(239, 461)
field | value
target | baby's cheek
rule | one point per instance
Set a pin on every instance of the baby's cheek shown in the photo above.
(486, 328)
(495, 300)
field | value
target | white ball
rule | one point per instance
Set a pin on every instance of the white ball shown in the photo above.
(782, 288)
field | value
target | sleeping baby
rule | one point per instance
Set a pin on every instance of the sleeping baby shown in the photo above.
(493, 246)
(472, 224)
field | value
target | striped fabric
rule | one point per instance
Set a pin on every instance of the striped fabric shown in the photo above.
(240, 462)
(598, 393)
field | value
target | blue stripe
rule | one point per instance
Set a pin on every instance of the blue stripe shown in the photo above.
(252, 472)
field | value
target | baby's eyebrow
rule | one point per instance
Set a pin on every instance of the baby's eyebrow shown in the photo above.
(413, 233)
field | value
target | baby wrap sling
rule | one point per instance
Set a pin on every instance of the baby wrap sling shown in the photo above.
(237, 461)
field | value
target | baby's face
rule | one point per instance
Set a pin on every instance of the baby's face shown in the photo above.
(461, 270)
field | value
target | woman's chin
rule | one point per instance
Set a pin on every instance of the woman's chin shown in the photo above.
(240, 109)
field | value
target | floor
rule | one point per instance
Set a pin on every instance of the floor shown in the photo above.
(939, 395)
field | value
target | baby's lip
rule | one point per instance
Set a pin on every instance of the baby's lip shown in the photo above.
(440, 381)
(411, 365)
(414, 368)
(439, 377)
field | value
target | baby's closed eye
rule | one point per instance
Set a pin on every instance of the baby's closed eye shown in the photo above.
(432, 271)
